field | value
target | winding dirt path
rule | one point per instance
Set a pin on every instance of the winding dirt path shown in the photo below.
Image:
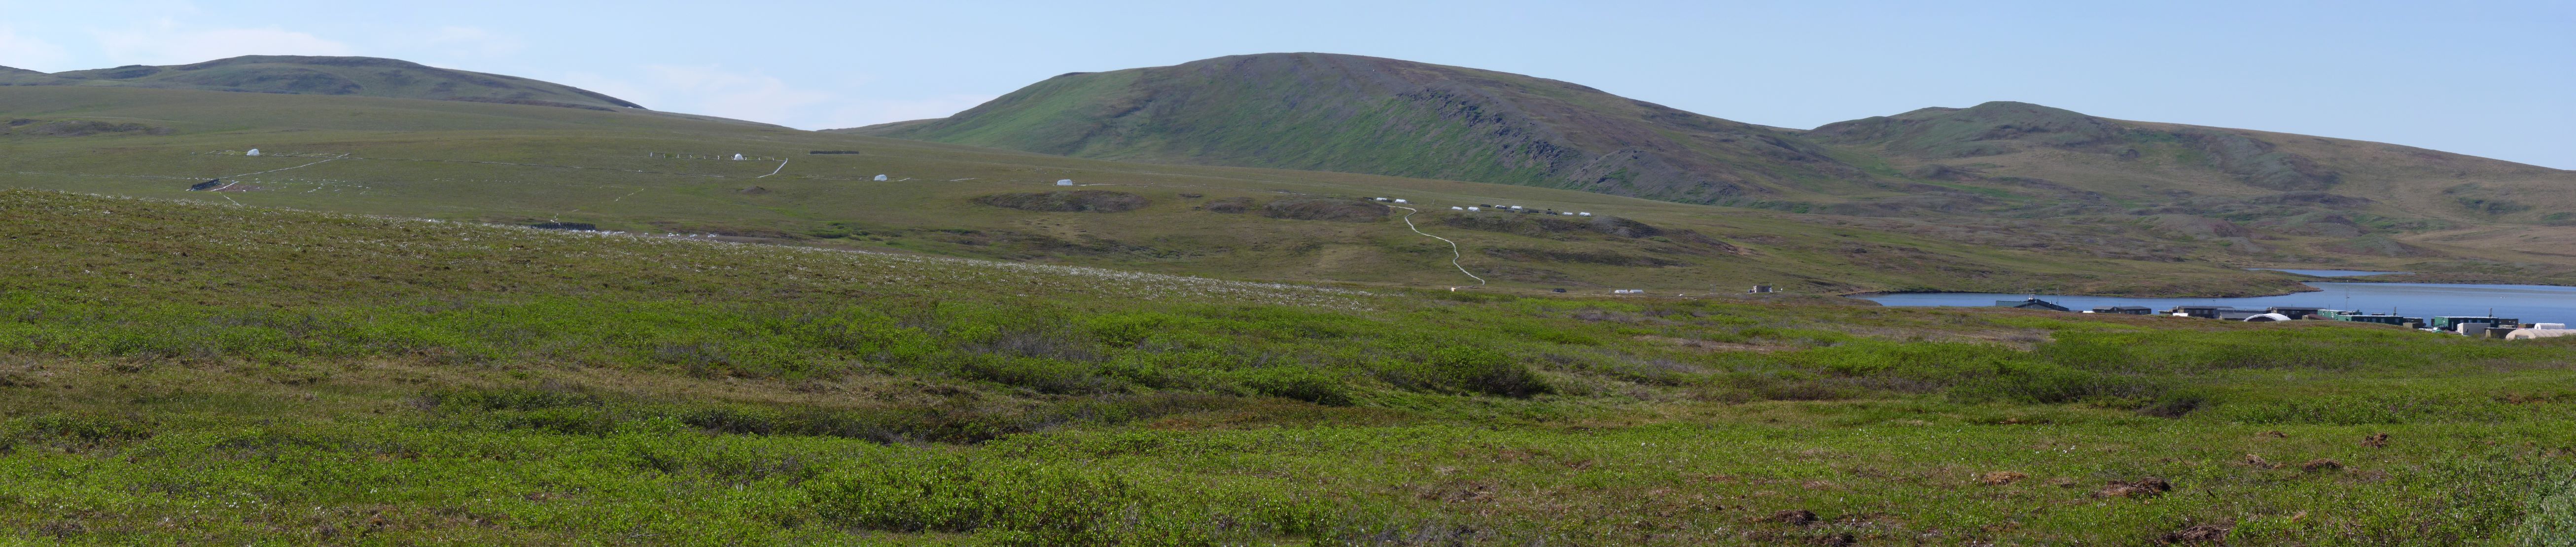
(1454, 255)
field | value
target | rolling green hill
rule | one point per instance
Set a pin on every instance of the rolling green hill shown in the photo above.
(2267, 197)
(2104, 155)
(526, 165)
(1325, 112)
(2349, 197)
(308, 75)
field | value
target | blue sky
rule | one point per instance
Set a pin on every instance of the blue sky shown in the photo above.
(2495, 79)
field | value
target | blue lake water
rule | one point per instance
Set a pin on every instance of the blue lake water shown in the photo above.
(2530, 303)
(2329, 273)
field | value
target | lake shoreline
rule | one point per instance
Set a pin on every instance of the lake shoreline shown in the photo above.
(2540, 303)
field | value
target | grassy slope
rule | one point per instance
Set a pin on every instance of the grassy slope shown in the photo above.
(366, 76)
(1369, 115)
(181, 373)
(2503, 216)
(829, 195)
(2464, 218)
(2481, 216)
(2403, 180)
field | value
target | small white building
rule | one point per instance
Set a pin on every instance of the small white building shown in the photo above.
(253, 152)
(880, 178)
(737, 157)
(1064, 182)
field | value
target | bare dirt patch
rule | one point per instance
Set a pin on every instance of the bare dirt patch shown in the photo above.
(2205, 534)
(2142, 488)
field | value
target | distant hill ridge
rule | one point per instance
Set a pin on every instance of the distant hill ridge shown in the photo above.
(312, 75)
(2003, 127)
(1328, 112)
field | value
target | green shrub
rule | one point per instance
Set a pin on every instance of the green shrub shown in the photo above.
(1471, 369)
(1127, 329)
(564, 420)
(1043, 375)
(1297, 383)
(1035, 504)
(2549, 520)
(2047, 383)
(74, 430)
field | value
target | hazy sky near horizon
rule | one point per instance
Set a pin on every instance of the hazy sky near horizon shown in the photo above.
(2495, 79)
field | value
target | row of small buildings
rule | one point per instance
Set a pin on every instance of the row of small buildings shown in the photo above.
(2487, 327)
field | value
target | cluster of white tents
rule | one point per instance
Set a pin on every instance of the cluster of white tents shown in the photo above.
(1519, 209)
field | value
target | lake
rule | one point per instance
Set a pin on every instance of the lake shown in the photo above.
(2330, 273)
(2530, 303)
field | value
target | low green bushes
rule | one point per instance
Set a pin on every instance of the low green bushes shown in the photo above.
(73, 431)
(1048, 349)
(2370, 408)
(574, 410)
(1029, 501)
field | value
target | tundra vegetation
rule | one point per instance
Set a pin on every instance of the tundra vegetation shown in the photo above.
(178, 373)
(642, 171)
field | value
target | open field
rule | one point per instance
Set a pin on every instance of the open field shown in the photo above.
(516, 164)
(188, 373)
